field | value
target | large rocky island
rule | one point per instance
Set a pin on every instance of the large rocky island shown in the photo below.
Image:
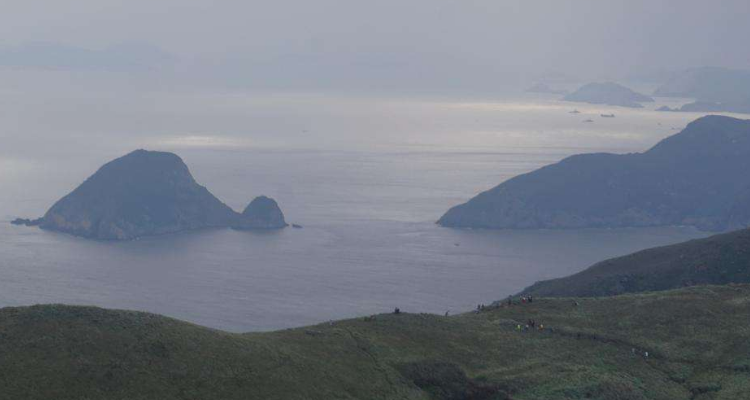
(697, 177)
(608, 93)
(143, 193)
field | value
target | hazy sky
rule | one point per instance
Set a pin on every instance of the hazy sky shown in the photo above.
(420, 45)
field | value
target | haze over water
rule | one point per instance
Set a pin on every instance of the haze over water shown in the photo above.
(366, 177)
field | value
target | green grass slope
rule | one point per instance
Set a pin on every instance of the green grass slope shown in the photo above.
(717, 260)
(698, 339)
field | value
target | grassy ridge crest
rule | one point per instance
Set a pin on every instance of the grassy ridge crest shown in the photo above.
(698, 341)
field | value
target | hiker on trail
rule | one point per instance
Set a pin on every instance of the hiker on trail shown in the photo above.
(446, 313)
(646, 354)
(523, 300)
(510, 301)
(541, 327)
(531, 299)
(397, 311)
(518, 327)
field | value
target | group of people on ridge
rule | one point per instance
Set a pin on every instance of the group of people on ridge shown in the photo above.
(531, 324)
(524, 300)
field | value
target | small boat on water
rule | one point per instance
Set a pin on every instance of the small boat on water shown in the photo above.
(607, 115)
(574, 112)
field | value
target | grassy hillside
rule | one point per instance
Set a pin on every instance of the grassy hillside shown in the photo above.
(698, 340)
(718, 259)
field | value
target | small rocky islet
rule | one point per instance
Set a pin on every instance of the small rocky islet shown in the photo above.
(147, 193)
(262, 213)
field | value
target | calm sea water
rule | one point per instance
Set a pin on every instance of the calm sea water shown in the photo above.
(366, 178)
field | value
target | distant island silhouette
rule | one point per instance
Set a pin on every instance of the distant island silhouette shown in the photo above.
(608, 93)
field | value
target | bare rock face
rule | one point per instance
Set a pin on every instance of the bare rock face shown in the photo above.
(262, 213)
(140, 194)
